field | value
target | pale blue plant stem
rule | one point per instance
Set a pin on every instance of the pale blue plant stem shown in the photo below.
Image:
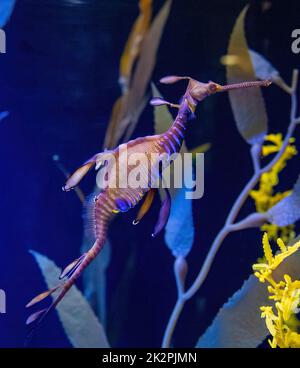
(172, 322)
(230, 226)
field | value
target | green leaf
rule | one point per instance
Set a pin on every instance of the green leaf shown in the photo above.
(238, 323)
(82, 327)
(247, 104)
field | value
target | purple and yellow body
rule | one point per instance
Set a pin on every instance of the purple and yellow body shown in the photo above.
(114, 199)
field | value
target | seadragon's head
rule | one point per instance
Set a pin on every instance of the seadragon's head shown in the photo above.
(197, 91)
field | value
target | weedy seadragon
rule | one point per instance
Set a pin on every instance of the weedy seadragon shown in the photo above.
(114, 199)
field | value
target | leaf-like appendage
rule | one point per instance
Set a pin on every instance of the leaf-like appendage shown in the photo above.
(147, 59)
(157, 101)
(130, 106)
(238, 323)
(163, 119)
(287, 211)
(247, 104)
(264, 70)
(170, 79)
(133, 44)
(35, 316)
(180, 232)
(267, 249)
(77, 317)
(6, 9)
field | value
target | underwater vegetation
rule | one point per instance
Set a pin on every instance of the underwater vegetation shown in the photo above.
(282, 325)
(122, 196)
(265, 308)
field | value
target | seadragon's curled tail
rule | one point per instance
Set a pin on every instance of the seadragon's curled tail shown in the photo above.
(123, 196)
(71, 273)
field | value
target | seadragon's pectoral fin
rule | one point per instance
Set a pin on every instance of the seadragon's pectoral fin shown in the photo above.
(78, 175)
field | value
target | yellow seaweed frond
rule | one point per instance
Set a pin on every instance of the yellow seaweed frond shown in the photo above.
(133, 45)
(281, 245)
(265, 196)
(286, 233)
(281, 320)
(264, 270)
(271, 319)
(283, 323)
(267, 249)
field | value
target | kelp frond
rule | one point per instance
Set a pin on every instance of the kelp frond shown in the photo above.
(280, 319)
(265, 196)
(264, 270)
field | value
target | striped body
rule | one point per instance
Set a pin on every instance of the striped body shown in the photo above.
(108, 201)
(105, 204)
(124, 197)
(168, 143)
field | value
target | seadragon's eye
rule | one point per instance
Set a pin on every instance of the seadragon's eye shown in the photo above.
(213, 87)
